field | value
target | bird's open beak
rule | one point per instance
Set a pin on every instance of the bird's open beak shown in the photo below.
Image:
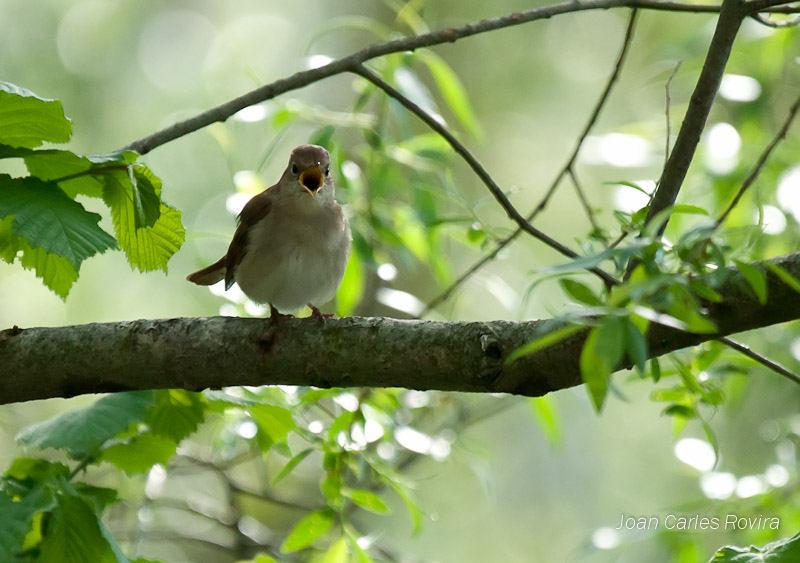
(312, 179)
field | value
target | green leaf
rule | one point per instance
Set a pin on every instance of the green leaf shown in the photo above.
(411, 506)
(544, 341)
(337, 552)
(545, 412)
(146, 195)
(366, 500)
(56, 272)
(291, 464)
(26, 120)
(140, 453)
(146, 247)
(756, 278)
(176, 413)
(582, 293)
(274, 422)
(73, 534)
(600, 356)
(636, 345)
(352, 287)
(83, 430)
(782, 551)
(453, 92)
(655, 369)
(260, 558)
(47, 218)
(16, 517)
(689, 209)
(784, 276)
(307, 530)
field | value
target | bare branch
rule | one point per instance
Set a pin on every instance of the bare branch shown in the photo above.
(760, 18)
(667, 105)
(198, 353)
(612, 79)
(339, 66)
(479, 170)
(762, 160)
(763, 360)
(730, 19)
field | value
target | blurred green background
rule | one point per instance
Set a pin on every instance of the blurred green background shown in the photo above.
(500, 490)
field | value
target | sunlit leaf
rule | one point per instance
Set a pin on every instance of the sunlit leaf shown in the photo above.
(16, 516)
(57, 272)
(366, 500)
(149, 247)
(545, 412)
(27, 120)
(274, 422)
(176, 413)
(307, 530)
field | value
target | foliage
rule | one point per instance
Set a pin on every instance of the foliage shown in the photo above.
(41, 222)
(349, 451)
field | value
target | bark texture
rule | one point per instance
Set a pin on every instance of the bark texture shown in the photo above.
(199, 353)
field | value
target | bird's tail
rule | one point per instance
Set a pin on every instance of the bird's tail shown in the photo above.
(210, 274)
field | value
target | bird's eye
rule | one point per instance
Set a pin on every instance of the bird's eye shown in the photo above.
(294, 168)
(327, 170)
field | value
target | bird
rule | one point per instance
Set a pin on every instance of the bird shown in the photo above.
(292, 241)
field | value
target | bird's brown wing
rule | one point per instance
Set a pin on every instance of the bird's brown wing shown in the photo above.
(254, 211)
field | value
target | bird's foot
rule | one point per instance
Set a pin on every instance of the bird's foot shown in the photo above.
(277, 316)
(317, 314)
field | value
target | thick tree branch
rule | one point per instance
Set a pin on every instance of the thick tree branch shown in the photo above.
(343, 65)
(197, 353)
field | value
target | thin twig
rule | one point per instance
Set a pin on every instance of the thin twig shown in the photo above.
(777, 25)
(479, 170)
(774, 366)
(612, 79)
(762, 160)
(343, 65)
(584, 201)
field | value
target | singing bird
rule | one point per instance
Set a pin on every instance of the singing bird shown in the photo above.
(292, 242)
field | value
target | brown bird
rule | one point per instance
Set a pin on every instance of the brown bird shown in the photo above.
(292, 243)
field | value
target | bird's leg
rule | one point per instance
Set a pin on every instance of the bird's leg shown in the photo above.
(317, 314)
(277, 315)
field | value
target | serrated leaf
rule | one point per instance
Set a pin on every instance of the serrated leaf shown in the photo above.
(27, 120)
(291, 464)
(56, 272)
(274, 422)
(600, 356)
(366, 500)
(147, 248)
(74, 535)
(755, 278)
(582, 293)
(47, 218)
(83, 430)
(307, 530)
(176, 413)
(782, 551)
(140, 453)
(147, 195)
